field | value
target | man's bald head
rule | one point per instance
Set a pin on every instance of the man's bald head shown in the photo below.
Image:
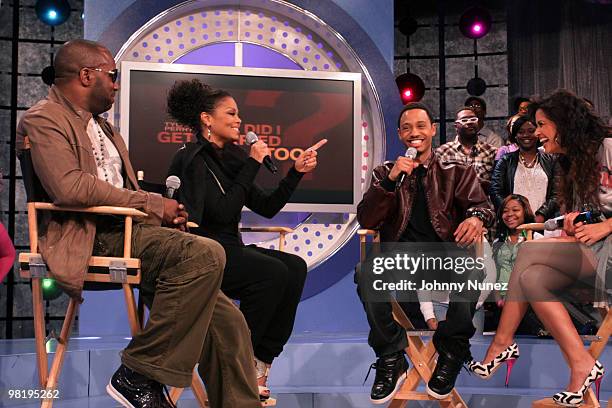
(76, 54)
(86, 73)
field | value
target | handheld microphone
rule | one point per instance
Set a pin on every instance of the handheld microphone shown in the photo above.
(588, 217)
(172, 184)
(411, 153)
(252, 138)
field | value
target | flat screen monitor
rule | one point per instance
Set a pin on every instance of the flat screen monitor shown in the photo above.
(290, 110)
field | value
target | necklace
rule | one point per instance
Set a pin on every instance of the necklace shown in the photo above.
(98, 151)
(531, 163)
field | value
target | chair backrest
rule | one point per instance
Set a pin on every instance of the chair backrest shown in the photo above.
(34, 189)
(152, 187)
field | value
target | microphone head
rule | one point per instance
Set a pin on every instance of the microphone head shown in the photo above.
(550, 225)
(173, 182)
(251, 138)
(411, 153)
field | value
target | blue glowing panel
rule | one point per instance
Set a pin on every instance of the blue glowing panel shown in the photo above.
(256, 56)
(221, 54)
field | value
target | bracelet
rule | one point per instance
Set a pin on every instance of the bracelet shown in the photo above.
(478, 214)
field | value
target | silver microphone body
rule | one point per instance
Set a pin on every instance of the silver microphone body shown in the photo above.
(251, 138)
(172, 184)
(588, 217)
(411, 153)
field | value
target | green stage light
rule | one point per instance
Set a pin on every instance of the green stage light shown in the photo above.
(50, 289)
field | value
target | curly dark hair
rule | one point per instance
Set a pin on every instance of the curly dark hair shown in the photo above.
(187, 99)
(581, 132)
(517, 102)
(502, 229)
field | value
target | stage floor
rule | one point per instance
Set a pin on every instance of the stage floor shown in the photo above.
(316, 370)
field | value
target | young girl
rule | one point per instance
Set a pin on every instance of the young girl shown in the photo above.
(514, 211)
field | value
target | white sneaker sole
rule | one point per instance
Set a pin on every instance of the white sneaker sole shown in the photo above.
(436, 395)
(116, 395)
(398, 384)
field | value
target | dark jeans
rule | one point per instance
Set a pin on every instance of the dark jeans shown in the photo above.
(269, 285)
(190, 320)
(387, 336)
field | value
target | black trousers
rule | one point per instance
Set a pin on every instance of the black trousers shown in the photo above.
(452, 336)
(269, 285)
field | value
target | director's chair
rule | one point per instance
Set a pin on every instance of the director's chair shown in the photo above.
(421, 354)
(105, 273)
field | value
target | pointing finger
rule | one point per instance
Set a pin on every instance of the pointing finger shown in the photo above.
(317, 145)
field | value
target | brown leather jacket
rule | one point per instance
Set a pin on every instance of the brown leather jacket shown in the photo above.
(453, 194)
(64, 163)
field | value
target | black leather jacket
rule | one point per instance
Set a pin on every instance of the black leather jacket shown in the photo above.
(502, 181)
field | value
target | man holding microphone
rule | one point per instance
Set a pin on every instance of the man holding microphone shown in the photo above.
(432, 203)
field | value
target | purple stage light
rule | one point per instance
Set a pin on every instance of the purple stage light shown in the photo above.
(475, 22)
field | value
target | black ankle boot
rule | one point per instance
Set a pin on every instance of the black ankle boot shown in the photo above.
(390, 374)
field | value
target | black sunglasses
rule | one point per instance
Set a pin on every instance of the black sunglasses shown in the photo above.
(113, 73)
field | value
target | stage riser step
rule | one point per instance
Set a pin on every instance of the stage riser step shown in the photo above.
(307, 400)
(317, 368)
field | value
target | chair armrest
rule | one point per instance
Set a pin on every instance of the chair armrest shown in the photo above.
(285, 230)
(366, 232)
(534, 226)
(102, 209)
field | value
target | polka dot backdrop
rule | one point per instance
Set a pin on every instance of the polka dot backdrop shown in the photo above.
(297, 35)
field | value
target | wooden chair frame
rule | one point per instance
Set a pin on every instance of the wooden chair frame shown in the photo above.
(33, 267)
(598, 343)
(422, 354)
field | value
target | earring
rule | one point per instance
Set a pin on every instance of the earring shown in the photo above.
(209, 134)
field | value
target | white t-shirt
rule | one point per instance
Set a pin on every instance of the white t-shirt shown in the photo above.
(531, 183)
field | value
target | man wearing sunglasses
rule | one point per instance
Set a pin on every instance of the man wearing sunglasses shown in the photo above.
(81, 160)
(485, 133)
(466, 149)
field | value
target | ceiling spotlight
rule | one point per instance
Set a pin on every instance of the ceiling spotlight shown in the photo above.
(52, 12)
(476, 86)
(411, 87)
(475, 22)
(407, 26)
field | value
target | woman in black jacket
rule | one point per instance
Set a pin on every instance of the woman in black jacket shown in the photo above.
(217, 182)
(527, 172)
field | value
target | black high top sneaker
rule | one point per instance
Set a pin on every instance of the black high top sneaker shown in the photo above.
(391, 372)
(450, 360)
(134, 390)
